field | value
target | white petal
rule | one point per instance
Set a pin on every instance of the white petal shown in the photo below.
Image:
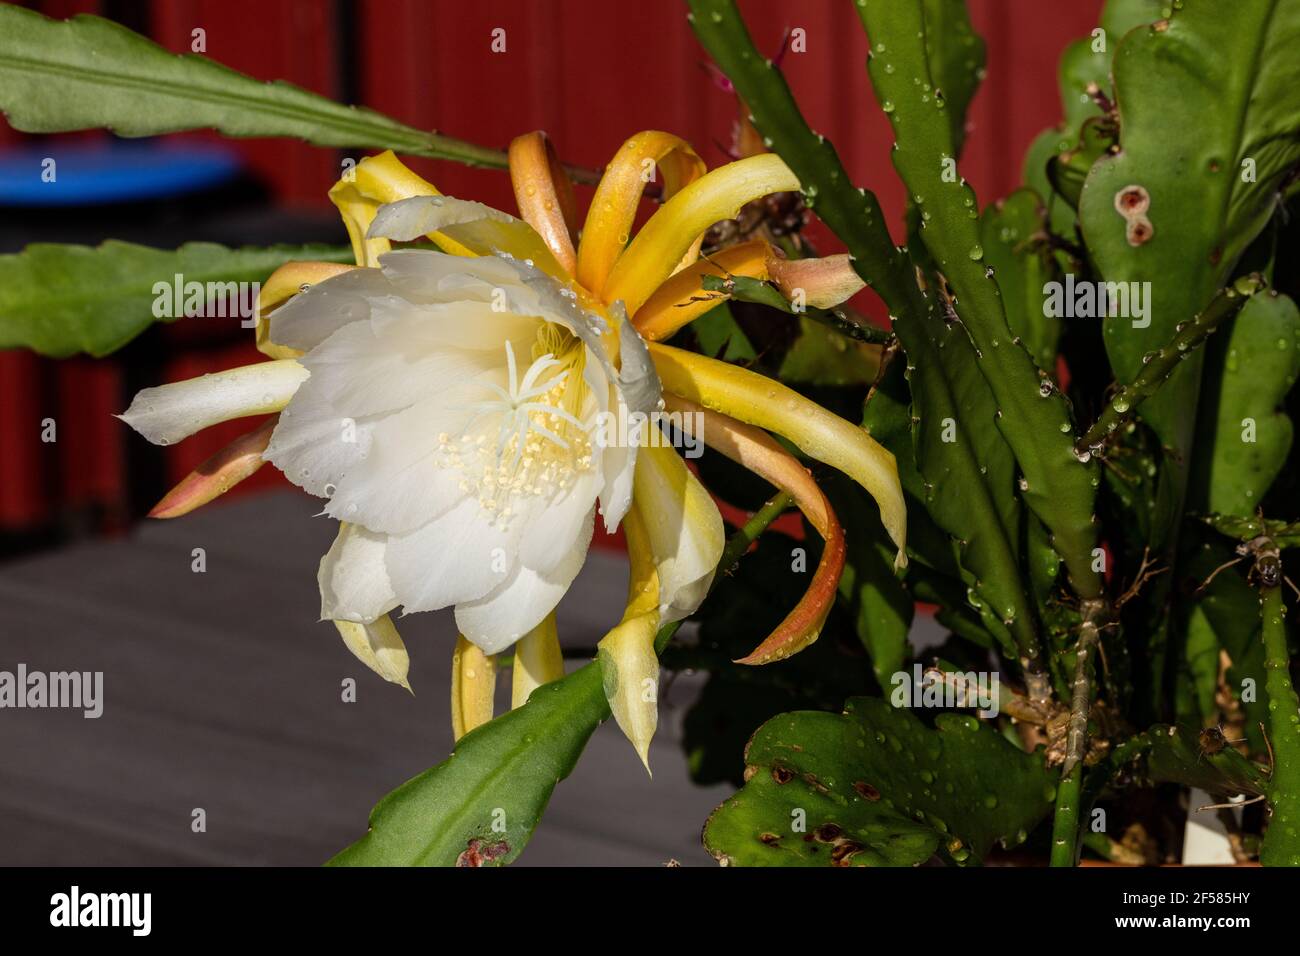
(637, 390)
(482, 229)
(169, 413)
(424, 275)
(316, 446)
(399, 486)
(553, 527)
(310, 317)
(520, 603)
(638, 382)
(459, 556)
(362, 373)
(353, 580)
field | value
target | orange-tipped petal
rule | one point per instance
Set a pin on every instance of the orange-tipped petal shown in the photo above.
(683, 299)
(761, 454)
(284, 283)
(212, 479)
(613, 208)
(819, 283)
(544, 194)
(819, 433)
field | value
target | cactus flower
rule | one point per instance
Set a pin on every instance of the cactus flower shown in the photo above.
(445, 403)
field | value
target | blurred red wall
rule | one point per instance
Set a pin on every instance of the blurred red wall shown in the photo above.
(589, 72)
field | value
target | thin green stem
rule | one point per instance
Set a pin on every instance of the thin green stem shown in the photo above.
(748, 289)
(1281, 845)
(1069, 793)
(1158, 366)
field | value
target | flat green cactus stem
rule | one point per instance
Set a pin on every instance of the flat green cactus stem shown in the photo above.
(1058, 487)
(855, 216)
(1285, 534)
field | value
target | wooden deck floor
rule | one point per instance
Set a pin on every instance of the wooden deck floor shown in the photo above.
(223, 692)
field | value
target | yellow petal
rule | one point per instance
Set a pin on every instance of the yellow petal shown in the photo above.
(683, 298)
(544, 194)
(473, 687)
(373, 182)
(379, 647)
(629, 667)
(538, 661)
(761, 454)
(218, 474)
(820, 434)
(658, 248)
(684, 527)
(613, 208)
(284, 283)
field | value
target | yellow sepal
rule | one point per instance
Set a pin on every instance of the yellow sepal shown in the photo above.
(374, 181)
(820, 434)
(538, 661)
(660, 245)
(683, 298)
(379, 647)
(473, 687)
(613, 208)
(628, 664)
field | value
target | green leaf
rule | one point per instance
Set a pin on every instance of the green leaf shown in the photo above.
(956, 55)
(1205, 98)
(822, 356)
(967, 473)
(1087, 60)
(481, 805)
(1281, 846)
(1011, 231)
(721, 337)
(878, 788)
(1245, 435)
(62, 299)
(1035, 424)
(90, 73)
(1170, 754)
(1231, 608)
(742, 607)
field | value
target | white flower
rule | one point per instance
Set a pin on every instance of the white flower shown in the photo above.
(449, 418)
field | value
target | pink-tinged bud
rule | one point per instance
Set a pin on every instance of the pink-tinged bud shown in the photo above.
(818, 283)
(218, 474)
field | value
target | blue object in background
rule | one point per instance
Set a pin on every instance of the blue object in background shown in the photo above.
(112, 171)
